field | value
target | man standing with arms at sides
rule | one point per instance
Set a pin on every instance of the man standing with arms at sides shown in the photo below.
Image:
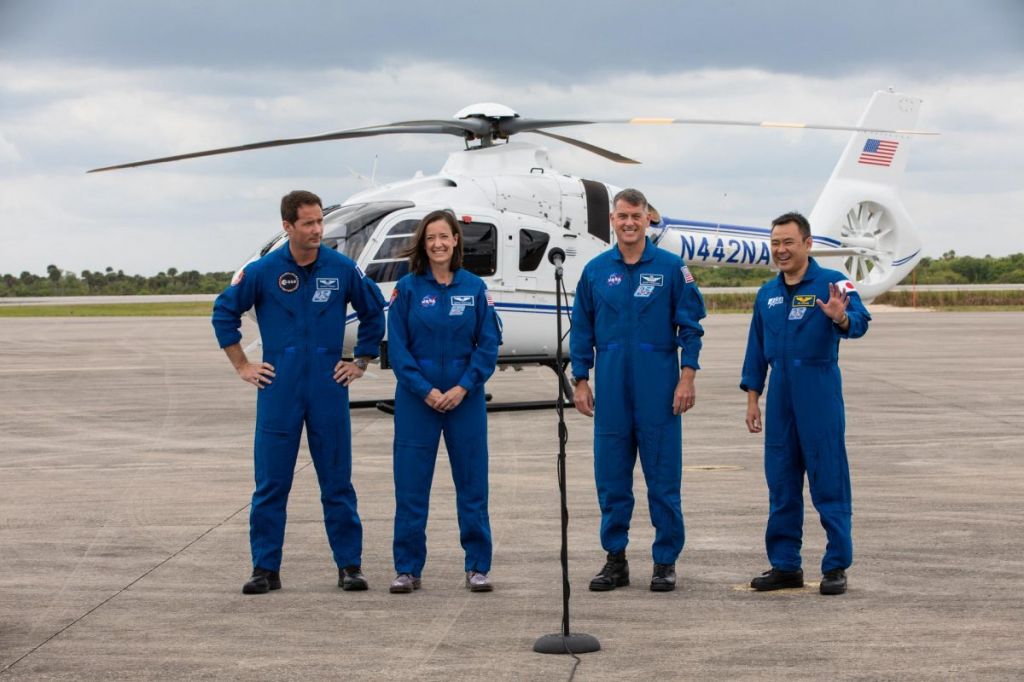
(301, 294)
(636, 306)
(799, 318)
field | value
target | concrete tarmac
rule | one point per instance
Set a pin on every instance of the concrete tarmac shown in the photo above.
(126, 471)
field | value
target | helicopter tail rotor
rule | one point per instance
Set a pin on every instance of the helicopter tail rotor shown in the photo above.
(860, 224)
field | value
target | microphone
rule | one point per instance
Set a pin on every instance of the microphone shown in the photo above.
(556, 257)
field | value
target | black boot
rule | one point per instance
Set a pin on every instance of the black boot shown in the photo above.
(614, 574)
(262, 581)
(833, 582)
(351, 579)
(778, 580)
(664, 578)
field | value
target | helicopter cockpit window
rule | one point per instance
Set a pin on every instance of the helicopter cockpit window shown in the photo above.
(532, 244)
(479, 251)
(349, 228)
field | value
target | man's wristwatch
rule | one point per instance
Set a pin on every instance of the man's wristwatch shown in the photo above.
(360, 363)
(576, 380)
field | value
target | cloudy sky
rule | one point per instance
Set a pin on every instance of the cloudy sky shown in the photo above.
(87, 84)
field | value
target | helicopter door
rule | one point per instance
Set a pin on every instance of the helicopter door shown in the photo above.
(531, 258)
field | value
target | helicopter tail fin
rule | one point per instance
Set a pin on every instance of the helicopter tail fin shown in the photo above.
(860, 224)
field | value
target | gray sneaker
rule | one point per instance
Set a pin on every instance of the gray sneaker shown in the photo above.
(478, 582)
(404, 583)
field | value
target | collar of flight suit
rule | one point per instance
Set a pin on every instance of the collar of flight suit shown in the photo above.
(457, 277)
(646, 257)
(288, 257)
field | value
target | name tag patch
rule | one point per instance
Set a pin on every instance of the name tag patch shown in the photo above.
(797, 313)
(327, 283)
(460, 303)
(653, 280)
(644, 291)
(804, 300)
(321, 295)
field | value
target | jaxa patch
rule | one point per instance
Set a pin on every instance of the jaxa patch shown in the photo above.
(797, 313)
(289, 282)
(615, 279)
(321, 295)
(237, 279)
(327, 283)
(804, 301)
(644, 291)
(774, 301)
(653, 280)
(428, 301)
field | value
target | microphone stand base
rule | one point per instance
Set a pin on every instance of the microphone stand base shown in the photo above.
(574, 643)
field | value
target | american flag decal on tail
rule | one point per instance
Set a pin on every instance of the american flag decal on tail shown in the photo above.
(878, 152)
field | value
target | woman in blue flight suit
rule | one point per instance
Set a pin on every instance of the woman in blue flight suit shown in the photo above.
(443, 337)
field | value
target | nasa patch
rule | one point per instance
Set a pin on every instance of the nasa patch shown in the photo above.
(289, 282)
(797, 313)
(653, 280)
(428, 301)
(644, 291)
(615, 279)
(321, 295)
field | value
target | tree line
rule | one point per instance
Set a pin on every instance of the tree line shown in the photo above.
(947, 269)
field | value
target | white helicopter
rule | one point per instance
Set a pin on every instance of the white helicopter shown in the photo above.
(516, 210)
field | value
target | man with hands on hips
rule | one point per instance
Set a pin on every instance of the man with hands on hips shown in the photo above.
(301, 295)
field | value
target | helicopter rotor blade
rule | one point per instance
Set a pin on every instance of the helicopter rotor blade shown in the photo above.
(594, 149)
(458, 128)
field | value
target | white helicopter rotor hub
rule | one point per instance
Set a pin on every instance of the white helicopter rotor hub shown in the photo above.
(486, 110)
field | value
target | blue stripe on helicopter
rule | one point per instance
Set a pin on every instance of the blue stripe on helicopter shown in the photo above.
(742, 230)
(901, 261)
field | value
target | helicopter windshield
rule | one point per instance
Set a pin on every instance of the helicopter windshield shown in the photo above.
(349, 228)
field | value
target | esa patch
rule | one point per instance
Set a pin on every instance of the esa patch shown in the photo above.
(653, 280)
(774, 301)
(237, 279)
(321, 295)
(327, 283)
(615, 279)
(804, 301)
(797, 313)
(428, 301)
(644, 291)
(289, 282)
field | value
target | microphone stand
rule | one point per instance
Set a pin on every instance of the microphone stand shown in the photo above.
(564, 642)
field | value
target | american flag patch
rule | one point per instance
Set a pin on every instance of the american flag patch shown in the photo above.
(686, 275)
(878, 152)
(490, 299)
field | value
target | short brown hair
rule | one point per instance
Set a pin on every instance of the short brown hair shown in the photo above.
(291, 202)
(416, 252)
(633, 197)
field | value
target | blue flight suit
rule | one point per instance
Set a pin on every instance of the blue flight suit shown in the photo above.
(302, 324)
(440, 336)
(637, 317)
(805, 422)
